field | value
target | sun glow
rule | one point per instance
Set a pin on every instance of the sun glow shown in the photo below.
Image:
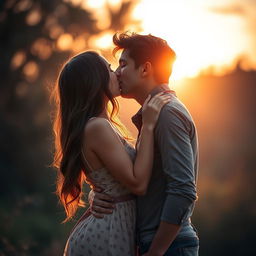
(207, 35)
(102, 41)
(200, 37)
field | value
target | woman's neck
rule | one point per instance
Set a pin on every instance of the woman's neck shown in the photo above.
(104, 113)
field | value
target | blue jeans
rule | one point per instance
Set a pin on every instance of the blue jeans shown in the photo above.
(187, 246)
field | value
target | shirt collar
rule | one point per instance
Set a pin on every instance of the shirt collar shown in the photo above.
(137, 118)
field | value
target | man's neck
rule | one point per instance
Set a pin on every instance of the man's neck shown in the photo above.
(141, 96)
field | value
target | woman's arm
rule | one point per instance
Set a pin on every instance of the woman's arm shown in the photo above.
(106, 144)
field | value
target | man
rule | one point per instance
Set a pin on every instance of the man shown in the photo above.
(163, 213)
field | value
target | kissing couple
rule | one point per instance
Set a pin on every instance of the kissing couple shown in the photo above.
(142, 197)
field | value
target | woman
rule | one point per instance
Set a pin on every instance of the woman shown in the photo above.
(89, 146)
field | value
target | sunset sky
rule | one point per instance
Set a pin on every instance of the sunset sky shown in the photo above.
(204, 33)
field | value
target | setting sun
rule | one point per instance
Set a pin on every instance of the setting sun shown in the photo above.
(188, 153)
(102, 41)
(206, 35)
(201, 38)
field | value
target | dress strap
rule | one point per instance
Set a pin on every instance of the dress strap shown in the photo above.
(86, 162)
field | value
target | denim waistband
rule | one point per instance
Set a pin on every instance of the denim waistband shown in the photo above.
(181, 242)
(187, 231)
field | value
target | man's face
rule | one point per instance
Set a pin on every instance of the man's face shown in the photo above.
(128, 77)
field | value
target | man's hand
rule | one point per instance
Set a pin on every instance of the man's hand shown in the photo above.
(164, 237)
(100, 203)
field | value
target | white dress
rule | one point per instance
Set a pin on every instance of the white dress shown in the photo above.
(113, 235)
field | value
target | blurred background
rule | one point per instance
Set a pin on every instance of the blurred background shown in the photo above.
(214, 75)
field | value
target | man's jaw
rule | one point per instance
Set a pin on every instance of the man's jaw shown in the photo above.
(123, 92)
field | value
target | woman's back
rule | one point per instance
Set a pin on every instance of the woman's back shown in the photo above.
(115, 233)
(101, 177)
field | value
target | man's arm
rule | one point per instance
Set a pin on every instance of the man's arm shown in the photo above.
(172, 136)
(165, 235)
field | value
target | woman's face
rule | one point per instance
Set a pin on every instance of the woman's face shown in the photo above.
(113, 82)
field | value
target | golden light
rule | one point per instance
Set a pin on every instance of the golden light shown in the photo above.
(42, 48)
(65, 42)
(114, 4)
(200, 38)
(53, 26)
(18, 59)
(55, 31)
(99, 4)
(102, 41)
(79, 44)
(99, 11)
(34, 17)
(95, 4)
(31, 71)
(103, 18)
(74, 2)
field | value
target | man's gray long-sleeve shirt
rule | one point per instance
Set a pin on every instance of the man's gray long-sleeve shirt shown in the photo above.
(171, 191)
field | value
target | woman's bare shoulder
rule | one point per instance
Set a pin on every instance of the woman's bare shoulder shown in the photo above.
(97, 126)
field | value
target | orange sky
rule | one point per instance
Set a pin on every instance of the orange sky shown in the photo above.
(203, 33)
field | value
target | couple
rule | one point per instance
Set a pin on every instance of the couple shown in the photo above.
(148, 195)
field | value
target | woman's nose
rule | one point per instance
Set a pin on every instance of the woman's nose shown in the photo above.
(117, 72)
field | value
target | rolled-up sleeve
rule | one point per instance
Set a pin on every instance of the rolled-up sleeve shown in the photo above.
(173, 139)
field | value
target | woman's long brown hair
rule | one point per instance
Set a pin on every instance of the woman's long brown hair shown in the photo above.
(79, 94)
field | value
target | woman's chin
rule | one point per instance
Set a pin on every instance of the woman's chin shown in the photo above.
(118, 93)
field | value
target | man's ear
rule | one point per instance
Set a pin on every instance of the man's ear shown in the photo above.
(146, 69)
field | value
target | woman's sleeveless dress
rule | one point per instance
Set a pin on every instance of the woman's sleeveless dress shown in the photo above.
(113, 235)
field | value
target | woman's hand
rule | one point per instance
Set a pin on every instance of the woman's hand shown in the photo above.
(152, 108)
